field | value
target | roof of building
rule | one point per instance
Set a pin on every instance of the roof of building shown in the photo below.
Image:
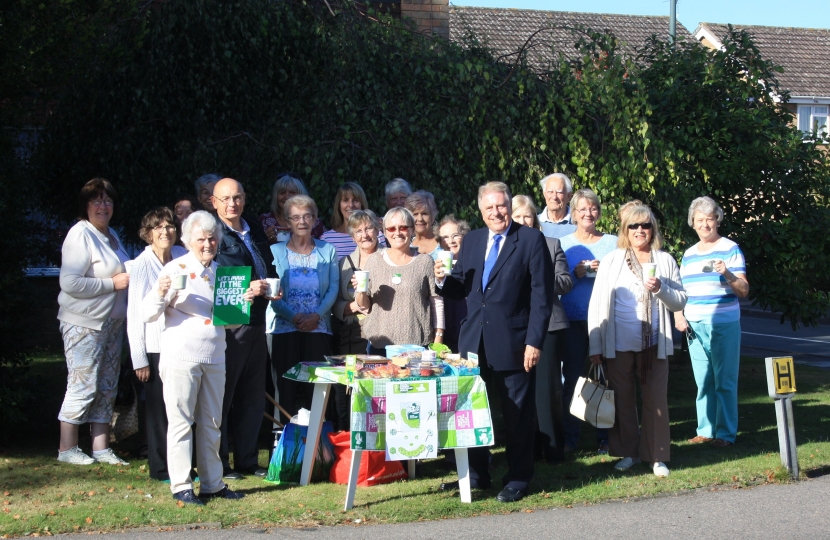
(505, 31)
(804, 53)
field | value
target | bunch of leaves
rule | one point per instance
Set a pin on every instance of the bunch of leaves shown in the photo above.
(251, 89)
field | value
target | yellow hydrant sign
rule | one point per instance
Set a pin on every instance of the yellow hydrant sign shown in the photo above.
(780, 377)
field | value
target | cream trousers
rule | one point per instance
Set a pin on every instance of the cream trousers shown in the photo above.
(193, 393)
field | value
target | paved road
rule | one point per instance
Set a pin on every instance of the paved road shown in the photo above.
(763, 336)
(790, 511)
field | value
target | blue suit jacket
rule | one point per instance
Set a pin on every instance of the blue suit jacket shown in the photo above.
(515, 309)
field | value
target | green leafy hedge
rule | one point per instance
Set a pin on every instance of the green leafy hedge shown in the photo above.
(249, 89)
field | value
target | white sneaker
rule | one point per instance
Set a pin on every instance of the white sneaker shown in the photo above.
(660, 469)
(75, 456)
(626, 463)
(109, 457)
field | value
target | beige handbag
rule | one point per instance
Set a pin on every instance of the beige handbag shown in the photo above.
(592, 401)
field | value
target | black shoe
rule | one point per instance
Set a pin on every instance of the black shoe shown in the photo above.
(224, 493)
(256, 470)
(474, 484)
(188, 497)
(231, 474)
(510, 495)
(448, 486)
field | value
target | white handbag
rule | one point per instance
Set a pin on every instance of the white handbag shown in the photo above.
(592, 401)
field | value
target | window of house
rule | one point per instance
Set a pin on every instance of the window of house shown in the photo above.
(813, 118)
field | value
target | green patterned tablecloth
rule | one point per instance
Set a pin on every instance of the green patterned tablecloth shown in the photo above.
(463, 419)
(317, 372)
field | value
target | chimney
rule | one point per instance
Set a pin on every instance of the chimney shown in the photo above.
(431, 17)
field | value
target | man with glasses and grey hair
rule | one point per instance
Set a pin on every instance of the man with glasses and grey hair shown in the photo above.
(556, 217)
(247, 354)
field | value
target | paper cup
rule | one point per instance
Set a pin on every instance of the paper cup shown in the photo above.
(649, 270)
(589, 272)
(273, 287)
(179, 282)
(362, 278)
(446, 259)
(128, 266)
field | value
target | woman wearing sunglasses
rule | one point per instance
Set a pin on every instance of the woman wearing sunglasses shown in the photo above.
(583, 248)
(401, 287)
(629, 323)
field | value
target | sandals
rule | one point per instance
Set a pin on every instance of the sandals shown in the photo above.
(720, 443)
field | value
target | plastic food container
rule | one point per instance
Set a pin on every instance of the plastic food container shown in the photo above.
(395, 350)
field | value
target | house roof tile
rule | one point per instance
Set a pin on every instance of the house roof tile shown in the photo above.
(505, 31)
(804, 53)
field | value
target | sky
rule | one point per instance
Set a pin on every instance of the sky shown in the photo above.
(799, 13)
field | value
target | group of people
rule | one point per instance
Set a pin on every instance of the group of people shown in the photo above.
(537, 295)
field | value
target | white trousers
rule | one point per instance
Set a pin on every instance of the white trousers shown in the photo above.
(193, 393)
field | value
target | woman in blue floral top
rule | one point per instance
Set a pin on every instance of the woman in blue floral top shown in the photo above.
(299, 325)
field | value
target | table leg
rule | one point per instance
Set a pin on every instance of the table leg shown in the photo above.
(410, 468)
(354, 472)
(463, 466)
(315, 426)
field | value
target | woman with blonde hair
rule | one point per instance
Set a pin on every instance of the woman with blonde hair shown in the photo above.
(584, 249)
(629, 324)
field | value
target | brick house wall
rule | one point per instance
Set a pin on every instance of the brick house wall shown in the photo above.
(431, 17)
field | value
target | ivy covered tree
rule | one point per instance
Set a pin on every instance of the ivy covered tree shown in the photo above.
(249, 89)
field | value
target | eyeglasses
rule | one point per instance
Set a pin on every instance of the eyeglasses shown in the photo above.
(237, 199)
(400, 228)
(364, 232)
(161, 228)
(454, 237)
(304, 217)
(100, 202)
(634, 226)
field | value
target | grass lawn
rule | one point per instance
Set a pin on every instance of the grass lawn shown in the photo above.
(43, 496)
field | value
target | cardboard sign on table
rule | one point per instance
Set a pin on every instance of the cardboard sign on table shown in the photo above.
(411, 420)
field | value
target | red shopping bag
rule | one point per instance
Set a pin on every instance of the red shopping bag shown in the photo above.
(374, 469)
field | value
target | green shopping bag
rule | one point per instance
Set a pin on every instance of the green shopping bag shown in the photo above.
(287, 460)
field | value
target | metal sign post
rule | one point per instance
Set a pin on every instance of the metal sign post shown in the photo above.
(781, 387)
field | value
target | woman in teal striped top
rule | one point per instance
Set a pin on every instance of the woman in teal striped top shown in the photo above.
(714, 276)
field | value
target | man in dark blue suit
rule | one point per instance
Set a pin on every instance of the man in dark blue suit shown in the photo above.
(501, 271)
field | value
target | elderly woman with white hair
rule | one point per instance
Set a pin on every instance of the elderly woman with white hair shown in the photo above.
(396, 192)
(401, 289)
(714, 275)
(192, 360)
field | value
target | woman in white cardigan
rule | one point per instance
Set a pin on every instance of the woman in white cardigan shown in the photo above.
(93, 306)
(192, 361)
(158, 229)
(630, 327)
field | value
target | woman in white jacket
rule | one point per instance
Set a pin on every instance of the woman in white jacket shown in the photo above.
(93, 306)
(158, 229)
(630, 327)
(192, 361)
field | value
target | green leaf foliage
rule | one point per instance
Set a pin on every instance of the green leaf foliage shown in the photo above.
(250, 89)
